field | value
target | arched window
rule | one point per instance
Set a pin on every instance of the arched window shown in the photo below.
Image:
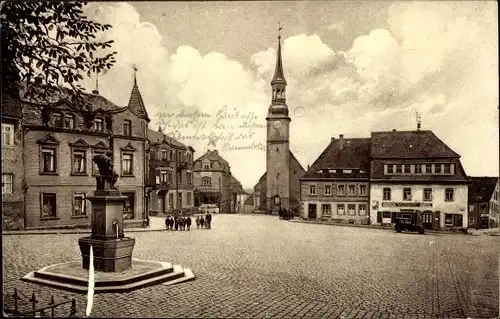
(206, 181)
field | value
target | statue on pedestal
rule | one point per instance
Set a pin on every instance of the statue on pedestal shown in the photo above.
(107, 177)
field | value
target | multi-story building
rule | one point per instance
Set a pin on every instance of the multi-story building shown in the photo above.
(279, 186)
(213, 183)
(60, 140)
(483, 202)
(170, 174)
(335, 188)
(12, 164)
(415, 171)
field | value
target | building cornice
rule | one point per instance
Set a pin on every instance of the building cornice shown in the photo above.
(64, 130)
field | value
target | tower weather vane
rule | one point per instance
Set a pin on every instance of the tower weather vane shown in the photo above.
(135, 71)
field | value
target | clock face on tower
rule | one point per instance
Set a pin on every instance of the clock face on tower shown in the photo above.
(277, 124)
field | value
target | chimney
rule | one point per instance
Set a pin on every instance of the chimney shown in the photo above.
(308, 166)
(333, 138)
(418, 126)
(341, 141)
(160, 129)
(216, 152)
(394, 130)
(96, 92)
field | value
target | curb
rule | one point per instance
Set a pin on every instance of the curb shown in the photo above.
(69, 232)
(371, 227)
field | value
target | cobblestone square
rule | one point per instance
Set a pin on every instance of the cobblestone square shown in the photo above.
(259, 266)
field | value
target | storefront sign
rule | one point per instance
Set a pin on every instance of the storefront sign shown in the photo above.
(406, 204)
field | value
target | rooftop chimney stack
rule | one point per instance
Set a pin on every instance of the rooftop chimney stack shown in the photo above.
(160, 130)
(341, 141)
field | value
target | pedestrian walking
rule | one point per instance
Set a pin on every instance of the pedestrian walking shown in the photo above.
(188, 222)
(198, 222)
(176, 223)
(202, 222)
(166, 223)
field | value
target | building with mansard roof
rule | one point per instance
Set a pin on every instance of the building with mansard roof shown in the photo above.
(170, 174)
(336, 186)
(279, 186)
(396, 173)
(416, 171)
(59, 139)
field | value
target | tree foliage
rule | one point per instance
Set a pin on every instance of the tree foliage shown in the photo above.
(49, 45)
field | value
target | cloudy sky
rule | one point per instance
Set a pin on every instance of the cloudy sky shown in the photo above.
(352, 68)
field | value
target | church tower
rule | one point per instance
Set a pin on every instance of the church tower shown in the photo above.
(278, 141)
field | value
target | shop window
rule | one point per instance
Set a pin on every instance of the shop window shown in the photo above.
(128, 208)
(448, 219)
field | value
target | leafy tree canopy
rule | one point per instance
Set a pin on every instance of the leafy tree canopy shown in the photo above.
(48, 45)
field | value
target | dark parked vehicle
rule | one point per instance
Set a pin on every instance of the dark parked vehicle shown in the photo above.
(411, 223)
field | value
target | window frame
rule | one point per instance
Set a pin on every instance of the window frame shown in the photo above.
(122, 161)
(100, 120)
(353, 206)
(74, 151)
(42, 216)
(4, 183)
(418, 169)
(424, 198)
(329, 188)
(204, 179)
(446, 194)
(339, 187)
(339, 206)
(71, 117)
(359, 209)
(389, 191)
(312, 189)
(405, 189)
(328, 212)
(126, 123)
(11, 134)
(84, 205)
(445, 218)
(364, 188)
(53, 150)
(353, 187)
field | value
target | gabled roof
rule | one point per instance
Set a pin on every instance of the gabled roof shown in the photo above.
(481, 188)
(236, 186)
(157, 137)
(213, 156)
(355, 154)
(294, 159)
(136, 104)
(409, 144)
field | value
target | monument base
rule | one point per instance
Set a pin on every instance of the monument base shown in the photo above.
(70, 276)
(110, 255)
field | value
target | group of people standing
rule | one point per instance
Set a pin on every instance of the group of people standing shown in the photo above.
(204, 222)
(184, 222)
(285, 214)
(178, 223)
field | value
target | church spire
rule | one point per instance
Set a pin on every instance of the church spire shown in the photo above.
(278, 83)
(279, 76)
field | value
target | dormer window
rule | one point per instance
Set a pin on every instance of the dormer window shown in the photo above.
(99, 124)
(206, 166)
(57, 119)
(163, 154)
(69, 121)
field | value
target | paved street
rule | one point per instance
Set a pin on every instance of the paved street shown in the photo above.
(259, 266)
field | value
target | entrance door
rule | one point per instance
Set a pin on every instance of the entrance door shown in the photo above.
(312, 211)
(427, 220)
(162, 204)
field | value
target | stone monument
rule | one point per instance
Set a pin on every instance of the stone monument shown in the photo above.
(116, 271)
(112, 250)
